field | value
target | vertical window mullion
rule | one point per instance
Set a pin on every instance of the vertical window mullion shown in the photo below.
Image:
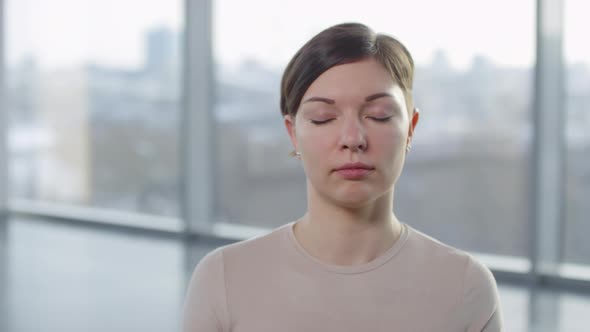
(548, 142)
(3, 122)
(197, 120)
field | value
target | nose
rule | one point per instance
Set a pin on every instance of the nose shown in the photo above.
(353, 135)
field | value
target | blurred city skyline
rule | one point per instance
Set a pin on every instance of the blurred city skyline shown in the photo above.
(108, 137)
(95, 124)
(101, 133)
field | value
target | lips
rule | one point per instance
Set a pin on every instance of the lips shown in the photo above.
(356, 165)
(354, 171)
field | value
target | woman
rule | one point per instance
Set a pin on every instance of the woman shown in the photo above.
(348, 264)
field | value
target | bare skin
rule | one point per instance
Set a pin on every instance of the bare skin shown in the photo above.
(351, 113)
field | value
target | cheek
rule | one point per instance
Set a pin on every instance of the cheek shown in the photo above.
(389, 142)
(314, 141)
(315, 146)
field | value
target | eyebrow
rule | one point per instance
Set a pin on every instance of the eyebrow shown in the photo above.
(332, 102)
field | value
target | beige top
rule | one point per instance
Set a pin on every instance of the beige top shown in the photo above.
(270, 284)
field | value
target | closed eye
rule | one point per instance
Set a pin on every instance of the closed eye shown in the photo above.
(320, 122)
(385, 119)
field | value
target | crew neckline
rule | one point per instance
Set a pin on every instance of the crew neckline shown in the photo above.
(348, 269)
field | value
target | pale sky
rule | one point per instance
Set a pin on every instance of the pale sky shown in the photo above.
(71, 32)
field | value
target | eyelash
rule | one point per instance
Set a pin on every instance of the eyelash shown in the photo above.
(318, 122)
(382, 119)
(321, 122)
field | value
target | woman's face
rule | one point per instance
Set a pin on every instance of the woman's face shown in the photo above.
(353, 116)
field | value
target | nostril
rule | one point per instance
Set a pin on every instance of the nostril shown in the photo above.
(356, 147)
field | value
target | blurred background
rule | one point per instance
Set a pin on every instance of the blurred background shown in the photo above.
(139, 135)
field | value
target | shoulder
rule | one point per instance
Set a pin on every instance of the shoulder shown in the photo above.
(478, 299)
(237, 264)
(430, 250)
(258, 244)
(478, 279)
(205, 306)
(438, 264)
(255, 249)
(481, 302)
(475, 276)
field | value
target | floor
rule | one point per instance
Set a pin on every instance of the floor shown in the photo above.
(59, 276)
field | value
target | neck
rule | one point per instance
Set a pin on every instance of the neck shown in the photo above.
(343, 235)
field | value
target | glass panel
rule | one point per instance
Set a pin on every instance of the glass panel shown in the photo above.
(466, 179)
(93, 96)
(577, 58)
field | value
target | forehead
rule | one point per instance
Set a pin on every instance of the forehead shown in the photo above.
(354, 81)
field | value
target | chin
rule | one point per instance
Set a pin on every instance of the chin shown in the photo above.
(349, 195)
(354, 198)
(352, 205)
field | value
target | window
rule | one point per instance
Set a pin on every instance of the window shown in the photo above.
(577, 79)
(93, 93)
(466, 179)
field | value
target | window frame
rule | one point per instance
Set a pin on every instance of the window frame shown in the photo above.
(197, 150)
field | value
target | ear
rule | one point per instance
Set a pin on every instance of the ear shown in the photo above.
(413, 123)
(290, 125)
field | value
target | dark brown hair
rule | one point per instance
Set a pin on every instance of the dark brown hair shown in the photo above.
(341, 44)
